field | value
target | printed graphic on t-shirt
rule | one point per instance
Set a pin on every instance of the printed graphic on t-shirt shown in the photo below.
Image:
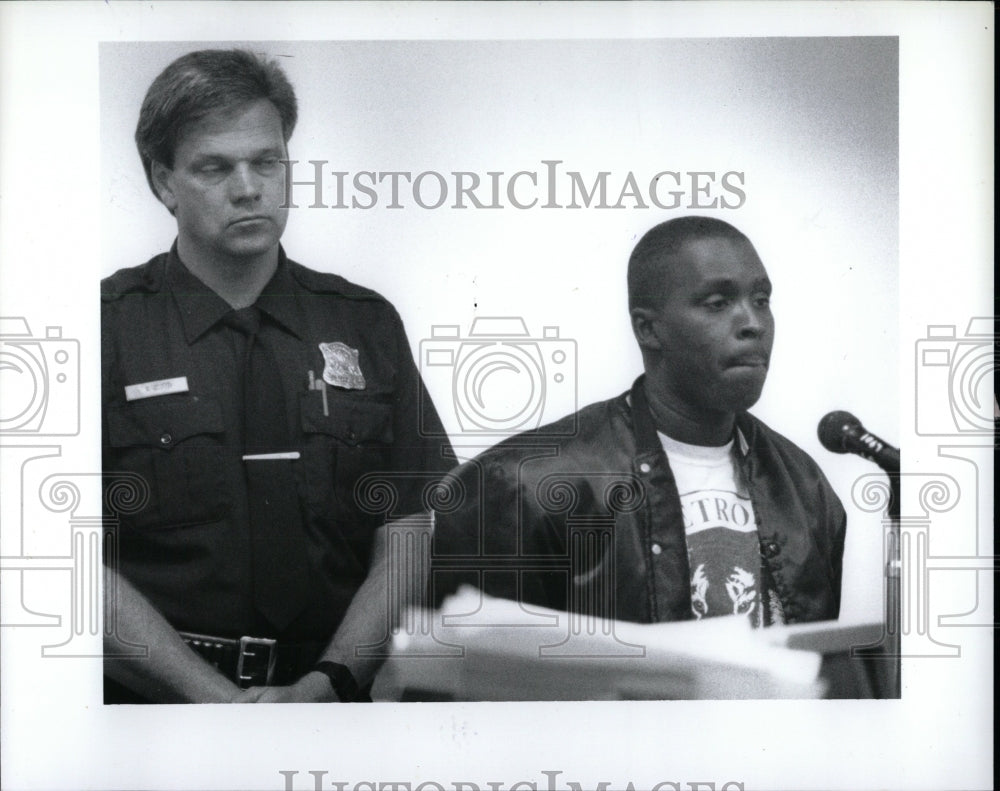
(723, 553)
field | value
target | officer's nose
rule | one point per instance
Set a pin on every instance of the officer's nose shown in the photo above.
(244, 184)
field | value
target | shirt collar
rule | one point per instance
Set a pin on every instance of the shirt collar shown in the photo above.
(201, 308)
(280, 299)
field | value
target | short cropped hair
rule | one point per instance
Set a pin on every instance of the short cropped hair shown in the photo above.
(204, 82)
(646, 281)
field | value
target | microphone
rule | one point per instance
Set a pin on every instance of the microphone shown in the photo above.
(841, 432)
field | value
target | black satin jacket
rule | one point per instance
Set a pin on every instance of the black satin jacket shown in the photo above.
(584, 515)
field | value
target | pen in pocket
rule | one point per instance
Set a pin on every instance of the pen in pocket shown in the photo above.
(319, 384)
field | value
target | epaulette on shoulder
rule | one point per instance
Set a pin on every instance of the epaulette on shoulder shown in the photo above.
(145, 278)
(328, 283)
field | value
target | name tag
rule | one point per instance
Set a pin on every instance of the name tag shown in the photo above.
(179, 384)
(292, 454)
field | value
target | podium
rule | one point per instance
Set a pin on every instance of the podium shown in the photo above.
(499, 650)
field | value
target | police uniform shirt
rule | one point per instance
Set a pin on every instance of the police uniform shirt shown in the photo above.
(188, 548)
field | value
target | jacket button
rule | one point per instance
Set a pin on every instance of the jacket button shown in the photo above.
(644, 467)
(771, 550)
(656, 549)
(166, 439)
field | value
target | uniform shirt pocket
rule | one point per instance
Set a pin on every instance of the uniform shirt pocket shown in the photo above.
(352, 438)
(175, 444)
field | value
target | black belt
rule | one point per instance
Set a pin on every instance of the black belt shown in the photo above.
(256, 661)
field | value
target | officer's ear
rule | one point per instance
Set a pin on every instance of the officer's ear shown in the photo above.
(162, 177)
(644, 328)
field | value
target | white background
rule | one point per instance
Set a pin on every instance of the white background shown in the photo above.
(810, 123)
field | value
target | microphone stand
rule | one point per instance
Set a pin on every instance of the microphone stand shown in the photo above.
(882, 660)
(893, 603)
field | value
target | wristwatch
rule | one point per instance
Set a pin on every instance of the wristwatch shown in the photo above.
(341, 679)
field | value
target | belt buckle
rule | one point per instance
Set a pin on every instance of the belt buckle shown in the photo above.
(255, 666)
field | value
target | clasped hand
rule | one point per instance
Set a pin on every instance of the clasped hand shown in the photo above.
(313, 687)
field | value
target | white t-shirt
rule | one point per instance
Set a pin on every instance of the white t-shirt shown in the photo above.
(721, 530)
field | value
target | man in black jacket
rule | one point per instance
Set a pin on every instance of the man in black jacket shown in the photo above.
(669, 502)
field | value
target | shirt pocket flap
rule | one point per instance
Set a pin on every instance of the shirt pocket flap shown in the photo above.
(162, 424)
(350, 421)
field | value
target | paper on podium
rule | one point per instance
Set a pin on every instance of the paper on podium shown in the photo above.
(826, 637)
(480, 648)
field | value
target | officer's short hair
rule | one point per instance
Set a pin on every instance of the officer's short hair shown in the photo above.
(646, 281)
(204, 82)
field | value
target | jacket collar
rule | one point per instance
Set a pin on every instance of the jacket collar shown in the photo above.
(646, 438)
(648, 441)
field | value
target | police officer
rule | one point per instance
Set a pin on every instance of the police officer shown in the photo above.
(248, 400)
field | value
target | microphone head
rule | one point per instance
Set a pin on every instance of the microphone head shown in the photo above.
(835, 427)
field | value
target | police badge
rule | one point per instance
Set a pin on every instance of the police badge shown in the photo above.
(342, 369)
